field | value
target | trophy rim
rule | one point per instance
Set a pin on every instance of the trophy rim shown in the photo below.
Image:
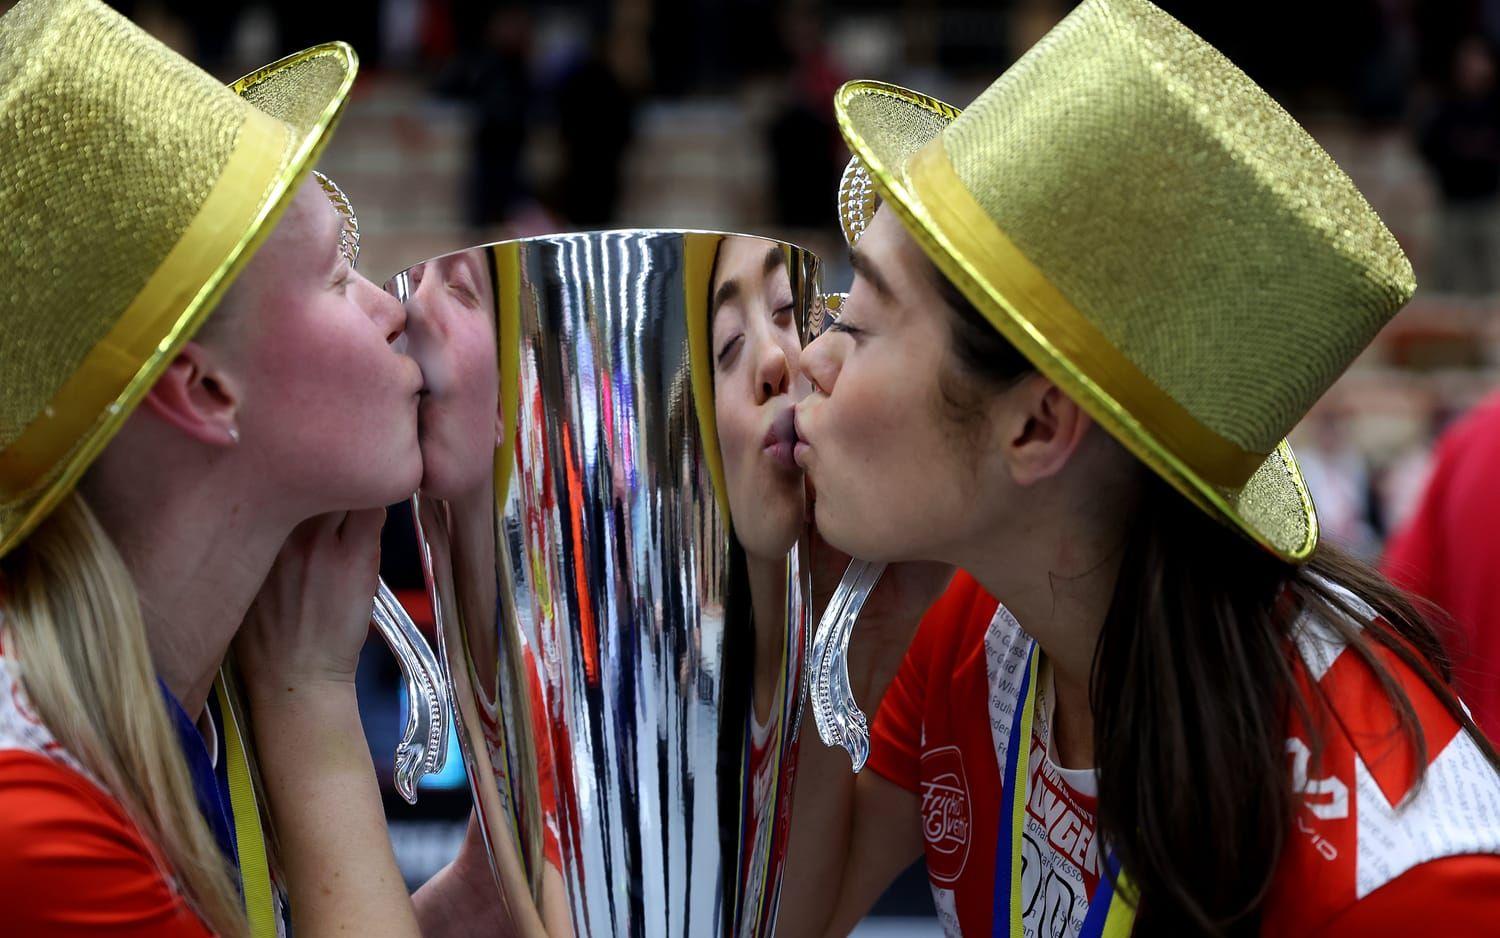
(560, 236)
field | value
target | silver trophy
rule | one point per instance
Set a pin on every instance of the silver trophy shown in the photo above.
(613, 529)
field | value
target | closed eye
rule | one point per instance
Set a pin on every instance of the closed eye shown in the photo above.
(729, 347)
(465, 295)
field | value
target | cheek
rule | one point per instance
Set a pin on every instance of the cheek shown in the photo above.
(459, 422)
(313, 356)
(473, 421)
(872, 402)
(884, 460)
(733, 414)
(326, 377)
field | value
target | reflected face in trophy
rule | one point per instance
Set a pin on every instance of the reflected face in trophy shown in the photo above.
(756, 349)
(451, 333)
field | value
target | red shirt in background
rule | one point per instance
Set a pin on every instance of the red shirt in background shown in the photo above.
(1449, 553)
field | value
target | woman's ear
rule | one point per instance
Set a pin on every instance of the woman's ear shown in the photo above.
(1043, 427)
(197, 395)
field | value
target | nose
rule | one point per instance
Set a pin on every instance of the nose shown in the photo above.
(773, 373)
(384, 310)
(820, 363)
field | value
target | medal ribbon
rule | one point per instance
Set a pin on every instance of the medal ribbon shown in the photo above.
(260, 905)
(1106, 917)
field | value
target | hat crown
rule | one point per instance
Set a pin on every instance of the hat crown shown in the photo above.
(109, 144)
(1185, 215)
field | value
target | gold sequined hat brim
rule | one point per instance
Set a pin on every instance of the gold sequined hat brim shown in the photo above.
(299, 100)
(886, 126)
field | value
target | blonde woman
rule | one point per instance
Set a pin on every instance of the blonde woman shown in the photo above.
(157, 464)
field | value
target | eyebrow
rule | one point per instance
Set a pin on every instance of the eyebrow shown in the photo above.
(730, 289)
(727, 291)
(864, 268)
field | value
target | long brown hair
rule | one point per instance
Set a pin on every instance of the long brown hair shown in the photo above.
(1194, 681)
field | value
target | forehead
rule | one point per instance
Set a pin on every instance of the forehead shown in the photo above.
(470, 262)
(887, 237)
(304, 244)
(307, 234)
(894, 254)
(745, 261)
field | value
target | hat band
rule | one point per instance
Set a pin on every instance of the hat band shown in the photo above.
(105, 384)
(1009, 277)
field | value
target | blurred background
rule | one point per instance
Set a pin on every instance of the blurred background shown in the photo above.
(476, 121)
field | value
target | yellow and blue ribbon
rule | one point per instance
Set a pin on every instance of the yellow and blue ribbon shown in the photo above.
(1109, 915)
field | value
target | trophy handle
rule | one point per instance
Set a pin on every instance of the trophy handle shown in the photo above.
(424, 740)
(839, 720)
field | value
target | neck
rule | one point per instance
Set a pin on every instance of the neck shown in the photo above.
(198, 556)
(1059, 586)
(768, 612)
(475, 573)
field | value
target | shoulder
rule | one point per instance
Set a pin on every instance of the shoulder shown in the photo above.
(21, 729)
(1451, 896)
(1373, 809)
(71, 861)
(43, 800)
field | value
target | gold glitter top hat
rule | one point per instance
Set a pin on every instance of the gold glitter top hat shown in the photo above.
(1156, 235)
(134, 187)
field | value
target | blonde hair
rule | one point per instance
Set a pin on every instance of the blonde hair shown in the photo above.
(74, 621)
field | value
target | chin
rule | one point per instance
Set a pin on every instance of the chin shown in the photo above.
(403, 479)
(773, 546)
(853, 538)
(769, 547)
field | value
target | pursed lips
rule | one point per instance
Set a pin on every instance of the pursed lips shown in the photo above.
(802, 447)
(781, 439)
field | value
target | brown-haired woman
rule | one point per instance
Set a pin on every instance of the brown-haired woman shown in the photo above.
(1084, 317)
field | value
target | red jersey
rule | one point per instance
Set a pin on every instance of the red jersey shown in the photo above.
(71, 861)
(1448, 553)
(1369, 845)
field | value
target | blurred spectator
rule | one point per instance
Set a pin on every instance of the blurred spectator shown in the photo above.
(1461, 145)
(1449, 554)
(494, 75)
(595, 123)
(807, 153)
(1338, 476)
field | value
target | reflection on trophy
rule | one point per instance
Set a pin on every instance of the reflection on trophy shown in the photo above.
(612, 525)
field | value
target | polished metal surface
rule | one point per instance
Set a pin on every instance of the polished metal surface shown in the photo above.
(613, 529)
